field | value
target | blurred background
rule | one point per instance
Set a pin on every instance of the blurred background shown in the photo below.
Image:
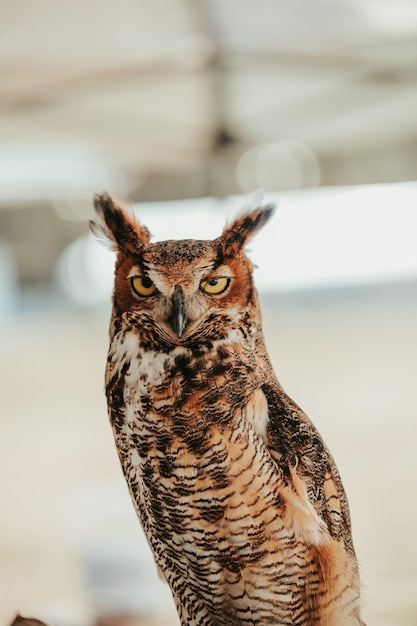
(183, 108)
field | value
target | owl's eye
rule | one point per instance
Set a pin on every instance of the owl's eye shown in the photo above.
(143, 286)
(214, 286)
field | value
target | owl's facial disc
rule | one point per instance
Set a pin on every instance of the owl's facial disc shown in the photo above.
(187, 299)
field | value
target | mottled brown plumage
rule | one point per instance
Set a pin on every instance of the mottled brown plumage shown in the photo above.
(241, 501)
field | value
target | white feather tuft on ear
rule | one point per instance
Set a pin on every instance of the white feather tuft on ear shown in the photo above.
(102, 234)
(255, 200)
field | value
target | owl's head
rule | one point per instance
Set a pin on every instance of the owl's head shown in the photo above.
(179, 286)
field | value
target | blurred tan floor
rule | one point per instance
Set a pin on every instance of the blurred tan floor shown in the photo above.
(349, 360)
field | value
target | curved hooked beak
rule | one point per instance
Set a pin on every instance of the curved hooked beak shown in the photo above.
(178, 319)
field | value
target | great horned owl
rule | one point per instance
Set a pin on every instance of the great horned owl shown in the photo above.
(240, 500)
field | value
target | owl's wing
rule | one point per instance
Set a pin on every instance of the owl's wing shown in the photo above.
(294, 442)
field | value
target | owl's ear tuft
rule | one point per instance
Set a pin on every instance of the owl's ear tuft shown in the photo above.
(237, 234)
(115, 225)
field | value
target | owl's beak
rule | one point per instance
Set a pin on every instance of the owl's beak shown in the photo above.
(178, 318)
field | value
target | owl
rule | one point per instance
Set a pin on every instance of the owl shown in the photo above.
(240, 500)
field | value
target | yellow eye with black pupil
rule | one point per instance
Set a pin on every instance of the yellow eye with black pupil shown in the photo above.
(143, 286)
(214, 286)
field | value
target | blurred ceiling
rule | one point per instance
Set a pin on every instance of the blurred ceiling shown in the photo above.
(180, 98)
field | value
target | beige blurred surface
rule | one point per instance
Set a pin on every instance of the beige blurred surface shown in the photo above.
(348, 358)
